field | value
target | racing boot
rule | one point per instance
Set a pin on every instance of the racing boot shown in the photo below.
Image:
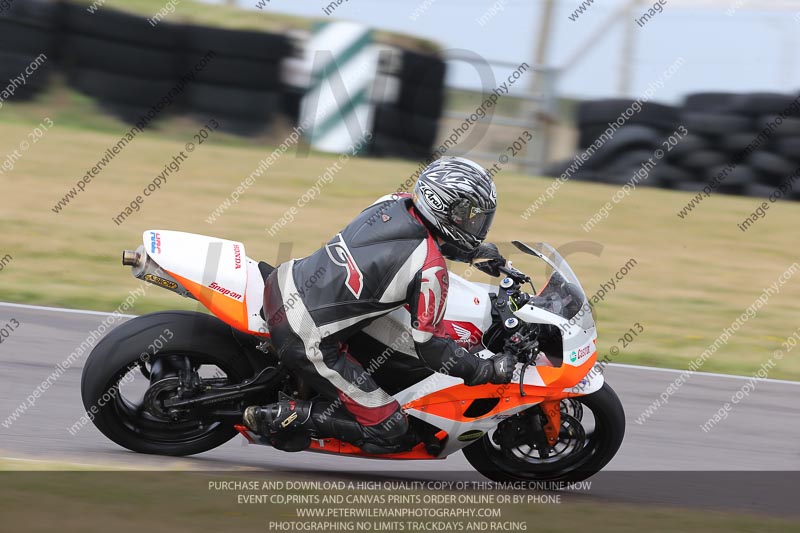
(287, 424)
(389, 436)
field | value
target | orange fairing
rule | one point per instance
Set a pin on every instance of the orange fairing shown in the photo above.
(229, 310)
(344, 448)
(552, 410)
(452, 402)
(566, 375)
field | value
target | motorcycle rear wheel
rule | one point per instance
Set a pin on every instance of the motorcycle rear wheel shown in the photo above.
(594, 449)
(203, 339)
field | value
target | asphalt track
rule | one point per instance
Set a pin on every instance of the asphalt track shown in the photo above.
(761, 433)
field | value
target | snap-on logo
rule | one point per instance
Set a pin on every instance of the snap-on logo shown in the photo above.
(237, 256)
(155, 242)
(224, 291)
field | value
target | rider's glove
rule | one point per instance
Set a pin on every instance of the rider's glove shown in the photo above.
(498, 369)
(490, 259)
(503, 365)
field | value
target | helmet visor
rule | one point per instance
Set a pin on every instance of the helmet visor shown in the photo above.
(474, 220)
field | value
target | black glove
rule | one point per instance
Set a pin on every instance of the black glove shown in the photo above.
(489, 259)
(503, 365)
(498, 369)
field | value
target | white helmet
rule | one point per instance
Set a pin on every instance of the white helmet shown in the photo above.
(458, 199)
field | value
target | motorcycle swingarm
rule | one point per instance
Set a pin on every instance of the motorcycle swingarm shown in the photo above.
(240, 391)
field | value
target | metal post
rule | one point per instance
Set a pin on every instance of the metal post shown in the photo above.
(540, 86)
(591, 41)
(628, 50)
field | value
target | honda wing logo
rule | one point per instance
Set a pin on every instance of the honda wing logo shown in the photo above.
(464, 335)
(340, 255)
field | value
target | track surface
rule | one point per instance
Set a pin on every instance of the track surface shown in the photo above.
(761, 432)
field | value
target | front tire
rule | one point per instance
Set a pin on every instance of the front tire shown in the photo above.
(587, 456)
(203, 339)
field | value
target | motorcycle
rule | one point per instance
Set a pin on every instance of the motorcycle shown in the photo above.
(177, 382)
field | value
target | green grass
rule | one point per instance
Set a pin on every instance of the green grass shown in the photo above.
(74, 110)
(693, 278)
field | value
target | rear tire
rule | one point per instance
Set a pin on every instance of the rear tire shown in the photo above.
(598, 449)
(203, 338)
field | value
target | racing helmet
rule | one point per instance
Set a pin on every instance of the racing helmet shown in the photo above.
(457, 199)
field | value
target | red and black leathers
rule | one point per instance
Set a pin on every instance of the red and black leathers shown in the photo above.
(385, 259)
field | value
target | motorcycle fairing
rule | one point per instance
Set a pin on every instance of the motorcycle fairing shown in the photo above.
(444, 401)
(217, 272)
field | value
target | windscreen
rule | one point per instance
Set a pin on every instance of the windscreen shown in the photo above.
(560, 297)
(562, 294)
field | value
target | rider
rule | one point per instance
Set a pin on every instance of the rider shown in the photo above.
(393, 254)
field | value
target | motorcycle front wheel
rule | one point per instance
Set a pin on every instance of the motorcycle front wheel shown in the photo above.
(592, 429)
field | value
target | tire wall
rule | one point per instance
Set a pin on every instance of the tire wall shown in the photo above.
(746, 144)
(129, 64)
(407, 127)
(26, 32)
(135, 67)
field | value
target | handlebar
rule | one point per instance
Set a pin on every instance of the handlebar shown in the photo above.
(514, 274)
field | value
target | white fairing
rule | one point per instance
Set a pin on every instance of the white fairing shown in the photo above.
(204, 260)
(254, 297)
(469, 302)
(466, 302)
(214, 263)
(579, 338)
(593, 382)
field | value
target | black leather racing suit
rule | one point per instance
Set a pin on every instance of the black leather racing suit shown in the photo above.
(386, 258)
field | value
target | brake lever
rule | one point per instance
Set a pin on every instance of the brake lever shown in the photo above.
(525, 366)
(514, 273)
(529, 349)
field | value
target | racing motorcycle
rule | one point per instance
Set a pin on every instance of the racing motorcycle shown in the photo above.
(177, 382)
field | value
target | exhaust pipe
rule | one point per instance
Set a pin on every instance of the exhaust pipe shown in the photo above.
(143, 267)
(130, 258)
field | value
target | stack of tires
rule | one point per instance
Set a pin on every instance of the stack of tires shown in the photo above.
(629, 146)
(120, 60)
(719, 138)
(26, 32)
(732, 129)
(407, 128)
(241, 85)
(130, 65)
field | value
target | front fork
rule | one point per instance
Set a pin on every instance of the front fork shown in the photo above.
(541, 431)
(552, 411)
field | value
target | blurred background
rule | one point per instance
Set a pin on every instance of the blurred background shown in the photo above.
(618, 131)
